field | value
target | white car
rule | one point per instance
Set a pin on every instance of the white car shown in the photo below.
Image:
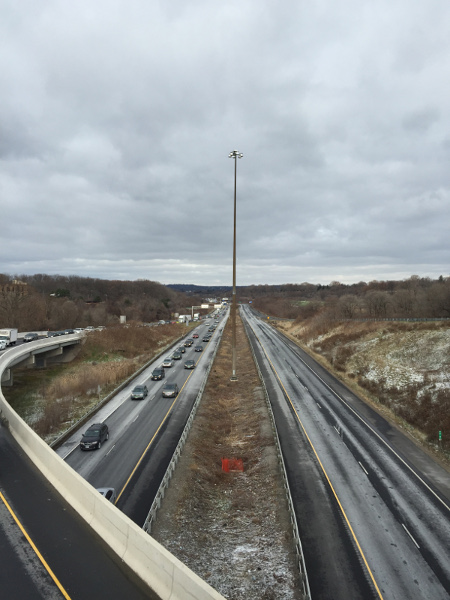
(167, 363)
(2, 345)
(108, 493)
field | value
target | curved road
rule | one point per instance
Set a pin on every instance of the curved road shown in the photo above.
(373, 522)
(46, 551)
(44, 545)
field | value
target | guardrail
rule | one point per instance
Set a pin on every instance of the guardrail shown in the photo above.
(298, 544)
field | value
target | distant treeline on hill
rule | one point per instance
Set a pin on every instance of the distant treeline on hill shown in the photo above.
(218, 291)
(55, 302)
(416, 297)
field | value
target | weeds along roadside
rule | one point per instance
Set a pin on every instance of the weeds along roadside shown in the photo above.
(51, 400)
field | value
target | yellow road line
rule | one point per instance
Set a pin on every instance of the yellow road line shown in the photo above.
(151, 441)
(325, 473)
(33, 545)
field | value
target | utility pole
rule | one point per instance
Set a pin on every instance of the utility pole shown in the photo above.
(234, 154)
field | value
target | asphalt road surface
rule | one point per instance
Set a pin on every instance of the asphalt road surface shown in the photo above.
(372, 509)
(46, 550)
(143, 434)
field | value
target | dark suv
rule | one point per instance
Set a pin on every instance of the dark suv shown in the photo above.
(94, 437)
(158, 374)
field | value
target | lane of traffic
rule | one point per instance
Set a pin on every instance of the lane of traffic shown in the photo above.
(134, 425)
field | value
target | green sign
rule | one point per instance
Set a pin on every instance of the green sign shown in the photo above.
(440, 436)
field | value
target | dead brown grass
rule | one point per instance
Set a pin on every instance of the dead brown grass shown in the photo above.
(231, 528)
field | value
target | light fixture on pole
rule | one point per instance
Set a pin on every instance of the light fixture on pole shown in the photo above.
(235, 154)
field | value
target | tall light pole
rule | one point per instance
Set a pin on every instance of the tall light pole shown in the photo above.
(234, 154)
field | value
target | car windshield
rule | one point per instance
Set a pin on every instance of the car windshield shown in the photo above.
(170, 386)
(138, 388)
(92, 432)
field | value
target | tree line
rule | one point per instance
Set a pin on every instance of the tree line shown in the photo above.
(415, 297)
(56, 302)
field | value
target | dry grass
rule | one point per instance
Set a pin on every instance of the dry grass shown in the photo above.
(231, 528)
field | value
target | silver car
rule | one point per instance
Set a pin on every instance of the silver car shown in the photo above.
(170, 390)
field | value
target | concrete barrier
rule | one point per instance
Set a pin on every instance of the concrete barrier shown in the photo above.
(165, 575)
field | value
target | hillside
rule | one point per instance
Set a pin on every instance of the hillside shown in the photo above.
(403, 368)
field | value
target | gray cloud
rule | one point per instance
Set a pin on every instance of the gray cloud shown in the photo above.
(116, 122)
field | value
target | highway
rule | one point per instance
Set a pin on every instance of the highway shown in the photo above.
(372, 511)
(143, 434)
(47, 550)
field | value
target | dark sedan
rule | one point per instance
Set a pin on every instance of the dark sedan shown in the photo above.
(30, 337)
(158, 374)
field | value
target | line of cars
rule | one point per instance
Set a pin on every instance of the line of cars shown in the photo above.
(76, 330)
(8, 337)
(170, 390)
(98, 433)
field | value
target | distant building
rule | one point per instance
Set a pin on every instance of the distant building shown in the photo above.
(15, 287)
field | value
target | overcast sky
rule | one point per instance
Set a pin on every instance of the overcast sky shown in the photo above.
(117, 118)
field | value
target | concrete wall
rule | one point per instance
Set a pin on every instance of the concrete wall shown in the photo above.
(168, 577)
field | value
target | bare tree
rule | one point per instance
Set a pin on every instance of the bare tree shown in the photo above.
(377, 304)
(349, 306)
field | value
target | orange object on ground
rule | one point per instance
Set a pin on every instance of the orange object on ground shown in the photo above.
(232, 464)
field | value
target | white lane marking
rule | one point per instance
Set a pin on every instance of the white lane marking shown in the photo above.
(360, 464)
(413, 540)
(109, 451)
